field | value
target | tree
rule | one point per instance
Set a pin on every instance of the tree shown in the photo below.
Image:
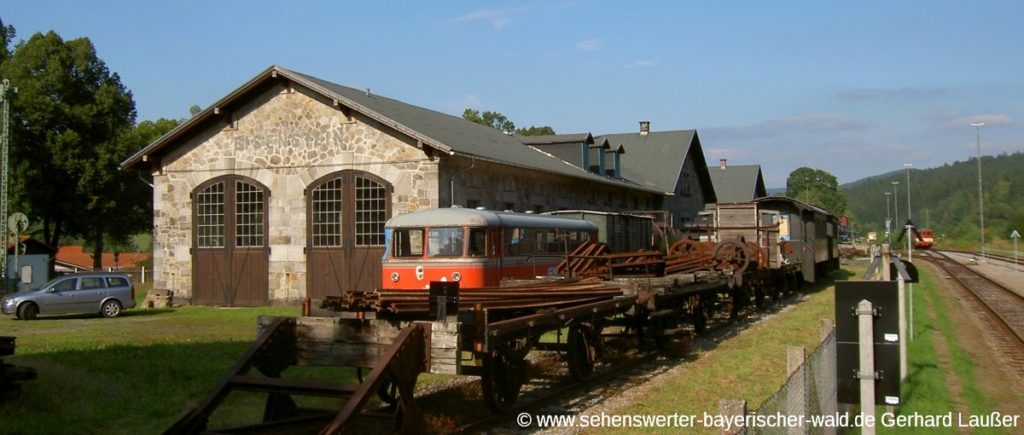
(6, 36)
(502, 123)
(69, 123)
(535, 131)
(816, 187)
(194, 110)
(490, 119)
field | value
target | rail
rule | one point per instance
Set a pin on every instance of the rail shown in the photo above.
(1001, 302)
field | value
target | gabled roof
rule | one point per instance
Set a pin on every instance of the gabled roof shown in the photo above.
(77, 257)
(737, 183)
(431, 129)
(653, 160)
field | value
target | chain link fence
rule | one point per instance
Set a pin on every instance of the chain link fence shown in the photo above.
(809, 392)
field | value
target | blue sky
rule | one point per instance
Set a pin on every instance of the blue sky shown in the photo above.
(854, 88)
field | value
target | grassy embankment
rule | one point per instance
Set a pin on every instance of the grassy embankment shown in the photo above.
(752, 365)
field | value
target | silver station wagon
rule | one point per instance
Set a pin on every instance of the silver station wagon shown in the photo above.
(92, 292)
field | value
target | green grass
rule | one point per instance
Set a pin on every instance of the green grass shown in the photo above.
(749, 366)
(926, 390)
(133, 374)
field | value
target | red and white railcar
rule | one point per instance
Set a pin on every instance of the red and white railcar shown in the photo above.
(477, 248)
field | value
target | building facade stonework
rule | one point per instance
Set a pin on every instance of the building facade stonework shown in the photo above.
(284, 139)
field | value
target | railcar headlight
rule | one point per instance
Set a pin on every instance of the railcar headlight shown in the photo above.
(456, 276)
(394, 276)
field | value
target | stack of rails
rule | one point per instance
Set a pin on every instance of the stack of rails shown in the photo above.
(546, 294)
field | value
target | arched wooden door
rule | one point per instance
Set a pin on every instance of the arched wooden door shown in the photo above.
(345, 213)
(230, 253)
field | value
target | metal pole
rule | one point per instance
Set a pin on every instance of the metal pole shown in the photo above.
(981, 203)
(887, 219)
(901, 285)
(896, 204)
(908, 165)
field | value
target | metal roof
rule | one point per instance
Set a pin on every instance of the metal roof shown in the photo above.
(653, 160)
(458, 217)
(737, 183)
(437, 130)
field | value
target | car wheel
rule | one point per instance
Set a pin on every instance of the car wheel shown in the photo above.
(28, 311)
(110, 308)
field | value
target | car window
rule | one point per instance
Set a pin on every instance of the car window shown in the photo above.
(92, 282)
(66, 285)
(116, 281)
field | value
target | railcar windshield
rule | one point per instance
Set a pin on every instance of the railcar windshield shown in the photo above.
(445, 242)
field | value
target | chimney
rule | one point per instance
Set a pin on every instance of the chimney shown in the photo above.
(721, 164)
(585, 152)
(645, 127)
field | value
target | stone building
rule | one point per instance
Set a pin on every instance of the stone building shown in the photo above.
(280, 190)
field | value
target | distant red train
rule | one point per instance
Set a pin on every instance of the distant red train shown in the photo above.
(925, 239)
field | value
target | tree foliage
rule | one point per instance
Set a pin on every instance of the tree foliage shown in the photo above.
(502, 123)
(535, 131)
(70, 123)
(6, 36)
(816, 187)
(945, 198)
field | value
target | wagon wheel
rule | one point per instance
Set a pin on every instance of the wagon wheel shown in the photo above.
(685, 247)
(582, 351)
(759, 256)
(732, 255)
(503, 376)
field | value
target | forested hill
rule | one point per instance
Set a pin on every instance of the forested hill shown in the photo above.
(945, 198)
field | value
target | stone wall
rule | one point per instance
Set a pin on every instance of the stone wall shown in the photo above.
(285, 139)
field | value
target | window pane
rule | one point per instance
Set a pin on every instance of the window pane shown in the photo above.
(445, 242)
(371, 212)
(327, 219)
(477, 242)
(210, 216)
(248, 215)
(66, 285)
(408, 243)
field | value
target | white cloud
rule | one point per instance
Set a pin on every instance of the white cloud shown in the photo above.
(641, 63)
(499, 18)
(590, 45)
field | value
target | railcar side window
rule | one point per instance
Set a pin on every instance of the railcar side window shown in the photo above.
(477, 242)
(408, 243)
(445, 242)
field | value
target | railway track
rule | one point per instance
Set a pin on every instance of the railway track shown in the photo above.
(625, 367)
(1001, 309)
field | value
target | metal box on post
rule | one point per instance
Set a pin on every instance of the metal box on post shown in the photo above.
(883, 296)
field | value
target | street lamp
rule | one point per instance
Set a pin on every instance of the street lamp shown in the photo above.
(981, 203)
(908, 165)
(896, 203)
(887, 221)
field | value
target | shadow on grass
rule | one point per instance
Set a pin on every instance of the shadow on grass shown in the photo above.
(80, 316)
(130, 389)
